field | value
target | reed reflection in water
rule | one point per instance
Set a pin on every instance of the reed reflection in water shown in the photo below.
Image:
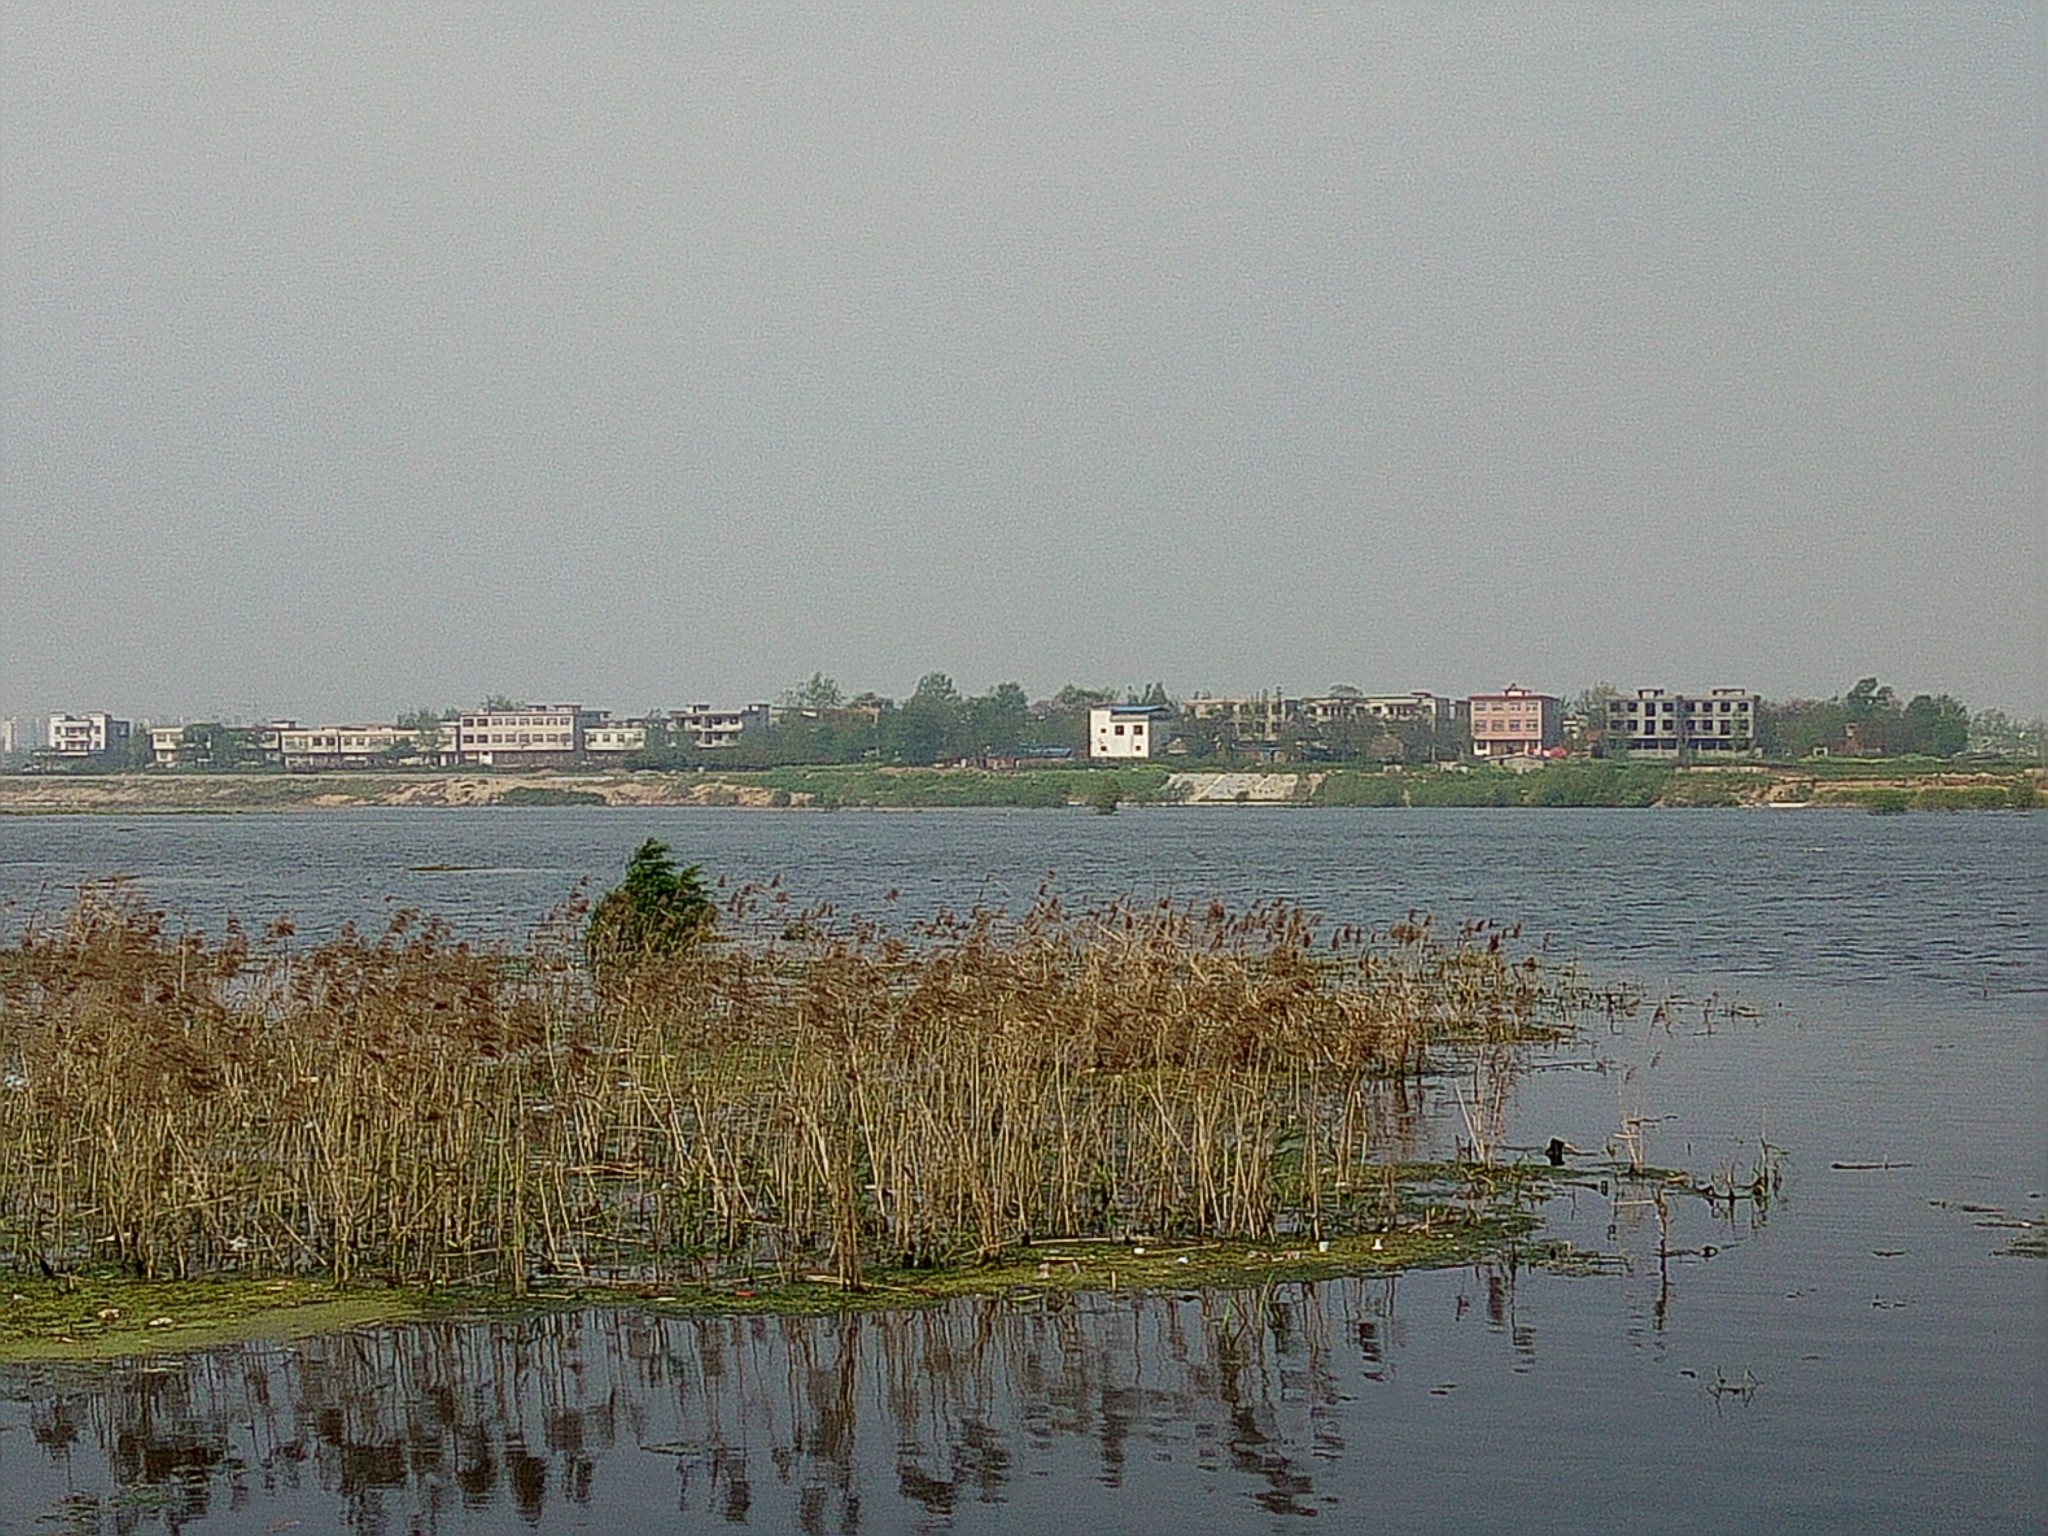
(862, 1421)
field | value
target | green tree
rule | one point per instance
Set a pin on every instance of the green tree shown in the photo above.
(1205, 740)
(1869, 700)
(1933, 726)
(1430, 739)
(425, 723)
(656, 910)
(1590, 710)
(1063, 720)
(132, 752)
(929, 728)
(1362, 739)
(660, 739)
(496, 703)
(1795, 728)
(998, 719)
(819, 694)
(210, 746)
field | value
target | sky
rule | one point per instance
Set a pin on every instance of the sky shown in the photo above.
(359, 358)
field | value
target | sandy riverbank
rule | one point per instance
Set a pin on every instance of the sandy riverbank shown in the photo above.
(168, 793)
(918, 788)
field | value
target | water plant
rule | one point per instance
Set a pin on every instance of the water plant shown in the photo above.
(810, 1097)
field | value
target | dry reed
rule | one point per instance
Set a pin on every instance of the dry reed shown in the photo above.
(807, 1095)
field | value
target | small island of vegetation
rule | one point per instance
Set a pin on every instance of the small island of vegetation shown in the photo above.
(749, 1104)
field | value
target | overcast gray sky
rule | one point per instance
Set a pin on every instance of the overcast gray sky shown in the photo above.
(354, 357)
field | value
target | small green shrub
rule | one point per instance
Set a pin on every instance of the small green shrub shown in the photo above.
(657, 910)
(546, 794)
(1351, 787)
(1963, 797)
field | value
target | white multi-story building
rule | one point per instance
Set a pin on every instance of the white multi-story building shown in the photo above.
(1127, 731)
(710, 729)
(167, 748)
(530, 736)
(92, 735)
(1654, 723)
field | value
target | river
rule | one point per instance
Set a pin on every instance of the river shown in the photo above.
(1867, 1358)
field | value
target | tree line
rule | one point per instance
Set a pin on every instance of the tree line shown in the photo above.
(1869, 720)
(819, 723)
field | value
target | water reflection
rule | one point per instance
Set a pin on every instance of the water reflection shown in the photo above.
(878, 1421)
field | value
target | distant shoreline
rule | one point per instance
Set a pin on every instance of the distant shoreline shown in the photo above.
(1837, 786)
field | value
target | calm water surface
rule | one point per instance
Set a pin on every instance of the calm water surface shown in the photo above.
(1867, 1359)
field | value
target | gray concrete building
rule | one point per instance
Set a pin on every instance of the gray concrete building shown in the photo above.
(1682, 727)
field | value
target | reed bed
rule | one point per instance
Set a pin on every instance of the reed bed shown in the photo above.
(803, 1096)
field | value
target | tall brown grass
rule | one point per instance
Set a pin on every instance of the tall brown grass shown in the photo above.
(806, 1095)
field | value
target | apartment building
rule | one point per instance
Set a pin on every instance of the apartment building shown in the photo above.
(1654, 723)
(710, 730)
(1515, 722)
(529, 736)
(93, 735)
(168, 747)
(1127, 731)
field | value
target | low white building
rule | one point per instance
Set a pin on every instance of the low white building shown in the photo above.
(615, 738)
(1127, 731)
(1347, 706)
(210, 744)
(310, 749)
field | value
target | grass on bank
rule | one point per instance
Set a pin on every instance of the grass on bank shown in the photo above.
(1565, 784)
(877, 788)
(1924, 784)
(2017, 794)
